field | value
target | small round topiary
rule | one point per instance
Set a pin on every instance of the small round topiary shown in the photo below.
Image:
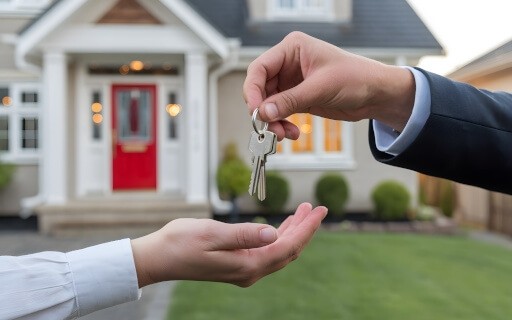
(391, 200)
(332, 192)
(232, 177)
(277, 192)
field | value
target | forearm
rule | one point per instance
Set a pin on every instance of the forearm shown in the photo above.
(57, 285)
(466, 138)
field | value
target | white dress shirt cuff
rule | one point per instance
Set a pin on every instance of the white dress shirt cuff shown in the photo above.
(389, 141)
(104, 275)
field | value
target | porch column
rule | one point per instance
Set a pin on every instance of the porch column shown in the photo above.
(196, 79)
(53, 167)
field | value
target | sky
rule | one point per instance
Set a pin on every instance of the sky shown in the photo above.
(466, 29)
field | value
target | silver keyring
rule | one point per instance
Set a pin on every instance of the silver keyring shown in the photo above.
(265, 124)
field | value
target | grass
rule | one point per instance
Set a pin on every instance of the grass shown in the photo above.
(367, 276)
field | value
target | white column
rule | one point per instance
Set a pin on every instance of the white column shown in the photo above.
(196, 76)
(54, 128)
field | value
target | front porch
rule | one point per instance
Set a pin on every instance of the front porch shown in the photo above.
(129, 215)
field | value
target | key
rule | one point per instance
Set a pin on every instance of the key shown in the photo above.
(262, 184)
(260, 145)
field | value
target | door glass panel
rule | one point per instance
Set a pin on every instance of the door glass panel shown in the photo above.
(134, 120)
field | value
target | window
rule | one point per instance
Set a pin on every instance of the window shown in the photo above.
(301, 10)
(4, 133)
(19, 121)
(29, 133)
(96, 114)
(323, 144)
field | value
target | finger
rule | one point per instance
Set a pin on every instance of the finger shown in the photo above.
(297, 99)
(303, 210)
(265, 67)
(291, 131)
(226, 236)
(288, 247)
(286, 223)
(277, 128)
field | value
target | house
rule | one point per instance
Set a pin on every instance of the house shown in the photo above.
(479, 207)
(117, 111)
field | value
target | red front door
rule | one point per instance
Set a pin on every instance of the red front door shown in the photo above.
(133, 137)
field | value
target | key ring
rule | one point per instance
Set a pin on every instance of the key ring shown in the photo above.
(265, 124)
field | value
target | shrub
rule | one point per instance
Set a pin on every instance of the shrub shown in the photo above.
(233, 174)
(332, 192)
(447, 198)
(391, 200)
(6, 172)
(277, 192)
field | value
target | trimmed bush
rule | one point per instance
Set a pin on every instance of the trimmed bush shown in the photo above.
(6, 172)
(277, 191)
(332, 192)
(233, 174)
(447, 198)
(391, 200)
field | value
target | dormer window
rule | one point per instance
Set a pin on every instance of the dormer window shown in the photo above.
(316, 10)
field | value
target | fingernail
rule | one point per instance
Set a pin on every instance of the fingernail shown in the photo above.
(271, 111)
(268, 235)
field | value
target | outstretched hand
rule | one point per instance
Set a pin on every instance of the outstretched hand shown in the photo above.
(302, 74)
(208, 250)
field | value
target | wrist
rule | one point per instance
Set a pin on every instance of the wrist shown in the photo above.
(393, 97)
(143, 276)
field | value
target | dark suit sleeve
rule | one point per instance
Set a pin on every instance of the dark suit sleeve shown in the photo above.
(467, 137)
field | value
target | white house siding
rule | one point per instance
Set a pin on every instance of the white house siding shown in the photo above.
(234, 125)
(25, 182)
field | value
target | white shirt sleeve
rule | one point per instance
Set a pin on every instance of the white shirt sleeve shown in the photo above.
(389, 141)
(56, 285)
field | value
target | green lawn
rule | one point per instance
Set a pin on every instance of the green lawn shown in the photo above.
(367, 276)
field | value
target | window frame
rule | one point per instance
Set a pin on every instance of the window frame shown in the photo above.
(301, 12)
(15, 113)
(318, 159)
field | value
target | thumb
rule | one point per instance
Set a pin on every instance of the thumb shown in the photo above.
(244, 236)
(283, 104)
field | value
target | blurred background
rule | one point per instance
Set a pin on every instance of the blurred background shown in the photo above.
(118, 116)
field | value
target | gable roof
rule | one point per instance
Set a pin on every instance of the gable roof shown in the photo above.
(494, 60)
(375, 24)
(60, 10)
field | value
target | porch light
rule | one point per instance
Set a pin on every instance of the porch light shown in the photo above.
(305, 128)
(173, 109)
(124, 69)
(136, 65)
(6, 101)
(96, 107)
(97, 118)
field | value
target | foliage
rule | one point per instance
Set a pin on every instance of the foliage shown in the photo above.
(6, 172)
(438, 193)
(366, 276)
(233, 174)
(447, 198)
(391, 200)
(277, 192)
(332, 192)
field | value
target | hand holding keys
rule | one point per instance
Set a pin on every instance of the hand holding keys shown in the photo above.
(261, 144)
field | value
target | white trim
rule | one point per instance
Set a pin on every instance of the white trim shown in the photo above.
(219, 205)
